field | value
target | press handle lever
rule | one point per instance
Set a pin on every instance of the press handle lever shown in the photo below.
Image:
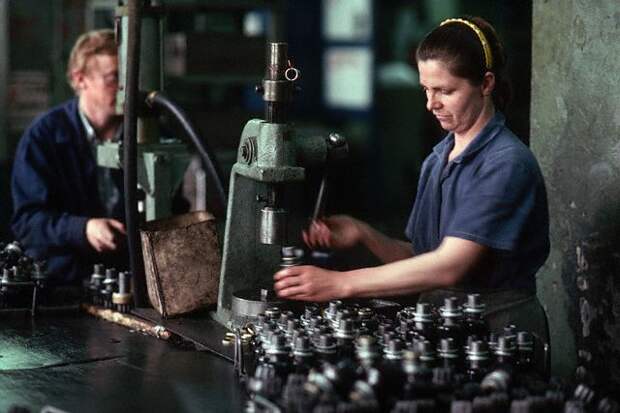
(319, 206)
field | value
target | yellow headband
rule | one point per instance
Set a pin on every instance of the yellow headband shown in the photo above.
(488, 57)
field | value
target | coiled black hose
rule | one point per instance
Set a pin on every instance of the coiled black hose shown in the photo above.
(134, 11)
(160, 100)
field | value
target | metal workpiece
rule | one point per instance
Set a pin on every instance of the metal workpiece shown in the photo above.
(451, 308)
(394, 349)
(474, 304)
(506, 347)
(21, 280)
(329, 371)
(284, 318)
(497, 380)
(367, 350)
(423, 313)
(302, 347)
(448, 349)
(326, 344)
(109, 283)
(122, 299)
(427, 352)
(478, 350)
(332, 310)
(346, 330)
(292, 256)
(272, 228)
(248, 304)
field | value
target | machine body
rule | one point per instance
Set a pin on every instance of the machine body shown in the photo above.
(265, 204)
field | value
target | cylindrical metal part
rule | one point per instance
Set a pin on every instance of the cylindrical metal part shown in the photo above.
(272, 229)
(277, 89)
(123, 282)
(277, 61)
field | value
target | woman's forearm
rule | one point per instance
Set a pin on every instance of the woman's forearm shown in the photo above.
(383, 247)
(440, 268)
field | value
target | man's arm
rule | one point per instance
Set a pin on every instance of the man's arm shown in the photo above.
(36, 221)
(440, 268)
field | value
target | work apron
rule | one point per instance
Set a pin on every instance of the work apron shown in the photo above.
(505, 307)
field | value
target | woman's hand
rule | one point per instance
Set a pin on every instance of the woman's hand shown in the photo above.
(335, 232)
(309, 283)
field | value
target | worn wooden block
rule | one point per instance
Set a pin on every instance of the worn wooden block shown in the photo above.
(182, 260)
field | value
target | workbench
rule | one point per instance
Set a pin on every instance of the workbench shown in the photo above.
(78, 363)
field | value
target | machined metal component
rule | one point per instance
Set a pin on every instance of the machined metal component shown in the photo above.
(448, 349)
(310, 311)
(272, 228)
(427, 352)
(394, 349)
(525, 341)
(326, 344)
(496, 381)
(478, 351)
(122, 299)
(108, 283)
(451, 308)
(291, 256)
(332, 310)
(423, 313)
(346, 329)
(248, 304)
(303, 347)
(474, 305)
(506, 347)
(367, 349)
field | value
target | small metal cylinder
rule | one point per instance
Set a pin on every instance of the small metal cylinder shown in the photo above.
(123, 283)
(277, 60)
(272, 229)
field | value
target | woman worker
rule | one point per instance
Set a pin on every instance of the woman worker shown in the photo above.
(480, 219)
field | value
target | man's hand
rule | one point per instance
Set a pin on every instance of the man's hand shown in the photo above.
(309, 283)
(335, 232)
(104, 234)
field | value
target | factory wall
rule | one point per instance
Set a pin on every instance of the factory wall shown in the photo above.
(575, 133)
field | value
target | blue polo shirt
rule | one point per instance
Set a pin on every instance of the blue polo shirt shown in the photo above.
(493, 193)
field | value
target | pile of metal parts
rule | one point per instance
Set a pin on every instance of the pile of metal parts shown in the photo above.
(353, 358)
(109, 288)
(22, 278)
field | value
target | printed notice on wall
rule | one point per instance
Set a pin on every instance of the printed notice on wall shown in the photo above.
(28, 97)
(348, 78)
(347, 20)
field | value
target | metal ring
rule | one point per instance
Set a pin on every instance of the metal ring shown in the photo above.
(289, 77)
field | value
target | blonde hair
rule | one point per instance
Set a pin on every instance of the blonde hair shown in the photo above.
(89, 44)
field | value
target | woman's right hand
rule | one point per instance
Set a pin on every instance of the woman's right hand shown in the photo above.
(334, 232)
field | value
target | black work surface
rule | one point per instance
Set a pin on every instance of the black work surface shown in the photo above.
(78, 363)
(198, 328)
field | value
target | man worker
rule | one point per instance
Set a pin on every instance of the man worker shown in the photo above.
(68, 211)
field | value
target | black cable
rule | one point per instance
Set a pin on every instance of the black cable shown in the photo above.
(160, 100)
(130, 122)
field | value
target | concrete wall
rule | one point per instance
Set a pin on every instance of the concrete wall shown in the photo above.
(575, 133)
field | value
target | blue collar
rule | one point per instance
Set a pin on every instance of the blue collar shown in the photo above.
(484, 137)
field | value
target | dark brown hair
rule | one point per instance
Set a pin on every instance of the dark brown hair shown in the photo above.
(458, 46)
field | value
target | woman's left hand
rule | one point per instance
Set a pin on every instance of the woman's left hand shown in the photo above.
(309, 283)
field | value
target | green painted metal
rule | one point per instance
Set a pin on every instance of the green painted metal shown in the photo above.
(575, 133)
(161, 168)
(267, 159)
